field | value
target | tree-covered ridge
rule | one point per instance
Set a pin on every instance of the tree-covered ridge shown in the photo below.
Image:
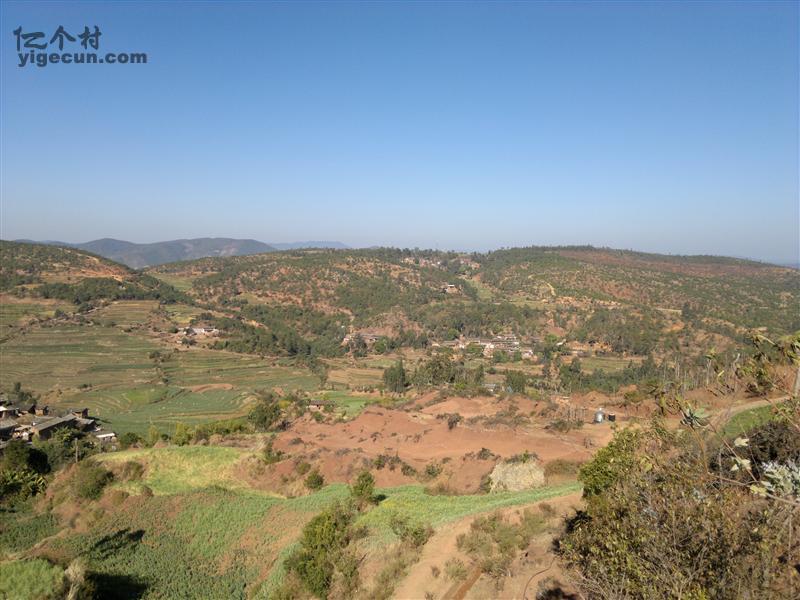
(743, 293)
(53, 272)
(29, 264)
(361, 283)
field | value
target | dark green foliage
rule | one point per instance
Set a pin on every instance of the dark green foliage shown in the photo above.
(321, 545)
(18, 455)
(266, 413)
(315, 480)
(610, 463)
(65, 446)
(394, 378)
(363, 489)
(89, 479)
(516, 381)
(128, 439)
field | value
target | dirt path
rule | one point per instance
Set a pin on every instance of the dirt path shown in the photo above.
(443, 546)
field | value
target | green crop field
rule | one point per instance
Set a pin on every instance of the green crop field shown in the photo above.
(182, 314)
(179, 282)
(748, 419)
(127, 312)
(111, 373)
(66, 356)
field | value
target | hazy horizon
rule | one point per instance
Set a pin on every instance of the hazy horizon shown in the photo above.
(659, 127)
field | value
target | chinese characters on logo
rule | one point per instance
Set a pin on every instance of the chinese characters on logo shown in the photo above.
(30, 41)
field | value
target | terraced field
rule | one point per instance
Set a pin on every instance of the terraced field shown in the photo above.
(111, 372)
(127, 313)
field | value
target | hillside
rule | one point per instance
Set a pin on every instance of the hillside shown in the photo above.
(636, 303)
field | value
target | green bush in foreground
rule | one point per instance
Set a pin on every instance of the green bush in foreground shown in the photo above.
(322, 548)
(34, 579)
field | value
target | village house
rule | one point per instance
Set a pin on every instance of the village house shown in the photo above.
(318, 405)
(7, 427)
(44, 429)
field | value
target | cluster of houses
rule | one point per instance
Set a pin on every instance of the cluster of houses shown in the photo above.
(30, 422)
(507, 343)
(200, 331)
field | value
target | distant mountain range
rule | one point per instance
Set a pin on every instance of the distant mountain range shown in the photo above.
(139, 256)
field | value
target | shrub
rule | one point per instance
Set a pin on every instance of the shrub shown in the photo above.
(302, 468)
(89, 480)
(270, 455)
(610, 463)
(455, 570)
(363, 490)
(128, 439)
(433, 470)
(315, 480)
(415, 535)
(314, 562)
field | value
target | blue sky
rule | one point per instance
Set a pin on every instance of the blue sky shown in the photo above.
(669, 127)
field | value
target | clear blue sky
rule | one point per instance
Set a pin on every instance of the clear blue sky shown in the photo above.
(668, 127)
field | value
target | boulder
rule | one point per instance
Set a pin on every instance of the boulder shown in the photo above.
(516, 476)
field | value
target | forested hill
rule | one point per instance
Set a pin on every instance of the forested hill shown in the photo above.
(55, 272)
(633, 302)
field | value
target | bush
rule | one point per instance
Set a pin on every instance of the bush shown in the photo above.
(272, 456)
(322, 542)
(610, 463)
(315, 480)
(455, 570)
(363, 490)
(414, 535)
(128, 439)
(89, 480)
(659, 523)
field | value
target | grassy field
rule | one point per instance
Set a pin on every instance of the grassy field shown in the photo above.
(748, 419)
(180, 469)
(179, 282)
(226, 541)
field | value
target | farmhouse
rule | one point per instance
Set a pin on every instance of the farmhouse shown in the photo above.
(318, 405)
(7, 427)
(8, 412)
(46, 428)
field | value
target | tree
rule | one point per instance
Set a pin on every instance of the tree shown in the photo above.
(394, 378)
(363, 490)
(183, 434)
(516, 380)
(153, 435)
(266, 411)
